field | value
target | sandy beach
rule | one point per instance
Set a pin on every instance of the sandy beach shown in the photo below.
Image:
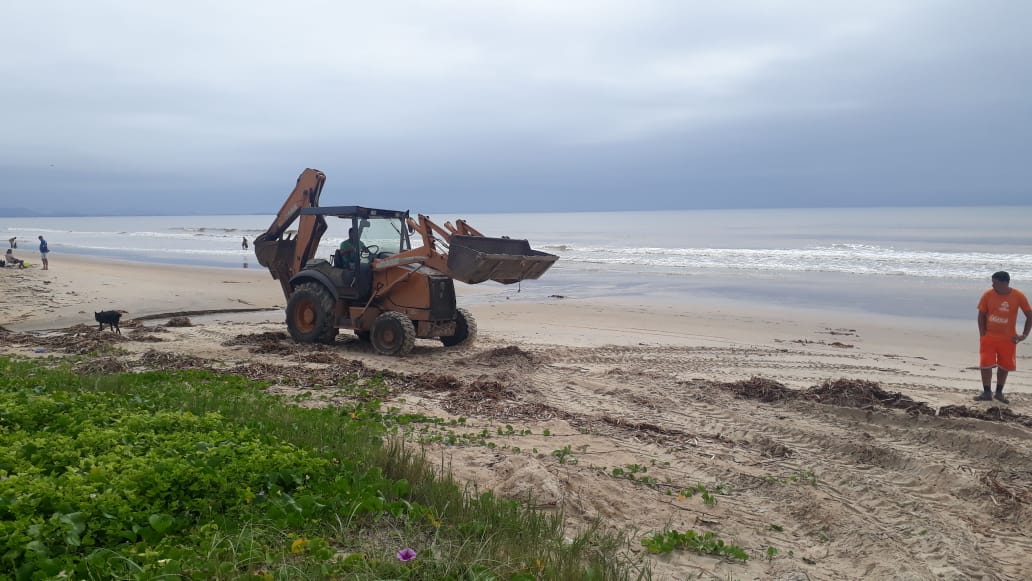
(893, 472)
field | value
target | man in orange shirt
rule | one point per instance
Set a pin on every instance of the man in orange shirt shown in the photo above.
(997, 321)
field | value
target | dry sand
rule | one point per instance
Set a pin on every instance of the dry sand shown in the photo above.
(877, 477)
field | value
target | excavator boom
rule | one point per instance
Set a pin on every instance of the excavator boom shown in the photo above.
(305, 195)
(284, 257)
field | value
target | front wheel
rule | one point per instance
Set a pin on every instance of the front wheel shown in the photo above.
(393, 334)
(310, 314)
(465, 329)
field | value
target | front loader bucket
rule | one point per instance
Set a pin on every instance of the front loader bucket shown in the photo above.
(474, 259)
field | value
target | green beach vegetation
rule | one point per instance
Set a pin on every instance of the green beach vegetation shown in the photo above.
(199, 475)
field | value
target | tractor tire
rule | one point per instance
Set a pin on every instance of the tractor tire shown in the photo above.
(465, 329)
(310, 317)
(393, 334)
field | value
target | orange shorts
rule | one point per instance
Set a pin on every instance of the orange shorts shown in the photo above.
(998, 350)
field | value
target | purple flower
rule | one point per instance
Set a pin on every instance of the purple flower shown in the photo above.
(406, 555)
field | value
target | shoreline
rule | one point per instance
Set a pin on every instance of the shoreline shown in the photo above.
(536, 313)
(913, 264)
(246, 259)
(878, 295)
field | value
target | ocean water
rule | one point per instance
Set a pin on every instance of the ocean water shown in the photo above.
(927, 262)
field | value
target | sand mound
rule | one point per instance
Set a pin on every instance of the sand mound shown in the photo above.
(526, 479)
(505, 356)
(146, 334)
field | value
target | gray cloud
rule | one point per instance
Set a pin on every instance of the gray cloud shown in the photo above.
(487, 106)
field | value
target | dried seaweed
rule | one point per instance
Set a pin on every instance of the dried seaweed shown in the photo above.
(762, 389)
(101, 366)
(434, 382)
(1011, 484)
(159, 360)
(256, 338)
(859, 393)
(992, 414)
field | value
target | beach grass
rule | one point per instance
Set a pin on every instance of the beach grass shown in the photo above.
(199, 475)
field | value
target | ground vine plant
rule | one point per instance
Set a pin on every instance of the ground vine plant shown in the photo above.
(704, 543)
(202, 476)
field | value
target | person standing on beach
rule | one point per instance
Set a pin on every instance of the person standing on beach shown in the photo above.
(997, 321)
(243, 245)
(44, 250)
(12, 242)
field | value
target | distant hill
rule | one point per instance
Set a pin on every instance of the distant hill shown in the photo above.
(24, 213)
(18, 213)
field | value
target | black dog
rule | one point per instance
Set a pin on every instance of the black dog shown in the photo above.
(109, 318)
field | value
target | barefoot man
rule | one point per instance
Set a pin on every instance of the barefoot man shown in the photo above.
(997, 321)
(44, 251)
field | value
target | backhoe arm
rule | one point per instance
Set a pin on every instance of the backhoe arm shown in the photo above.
(305, 195)
(285, 256)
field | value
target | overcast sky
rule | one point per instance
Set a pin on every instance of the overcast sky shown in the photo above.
(521, 105)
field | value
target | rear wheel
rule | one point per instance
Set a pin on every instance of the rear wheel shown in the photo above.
(393, 334)
(310, 314)
(465, 329)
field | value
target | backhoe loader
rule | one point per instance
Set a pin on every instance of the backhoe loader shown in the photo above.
(377, 284)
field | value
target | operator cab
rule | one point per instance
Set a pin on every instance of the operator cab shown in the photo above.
(371, 238)
(371, 233)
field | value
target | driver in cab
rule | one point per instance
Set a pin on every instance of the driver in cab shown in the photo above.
(350, 246)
